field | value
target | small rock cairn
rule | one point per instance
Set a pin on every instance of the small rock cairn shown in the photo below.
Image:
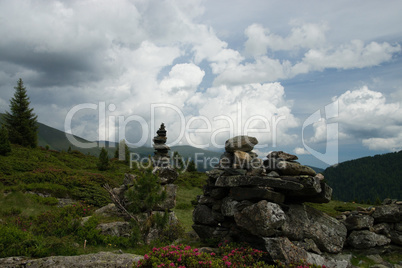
(161, 156)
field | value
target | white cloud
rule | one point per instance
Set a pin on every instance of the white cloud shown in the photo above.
(307, 35)
(365, 116)
(300, 151)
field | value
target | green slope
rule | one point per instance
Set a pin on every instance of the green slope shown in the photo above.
(367, 178)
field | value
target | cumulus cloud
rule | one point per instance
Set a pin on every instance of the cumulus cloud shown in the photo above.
(365, 116)
(300, 151)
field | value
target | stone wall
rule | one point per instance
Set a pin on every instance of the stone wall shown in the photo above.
(261, 202)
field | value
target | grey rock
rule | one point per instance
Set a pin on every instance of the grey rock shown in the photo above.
(273, 174)
(215, 173)
(110, 210)
(170, 201)
(358, 222)
(396, 237)
(228, 207)
(398, 226)
(95, 260)
(332, 261)
(375, 258)
(311, 185)
(382, 228)
(129, 180)
(205, 215)
(366, 239)
(204, 231)
(234, 171)
(308, 245)
(388, 213)
(293, 168)
(166, 175)
(262, 218)
(306, 222)
(282, 249)
(282, 155)
(276, 183)
(256, 193)
(119, 228)
(242, 160)
(226, 160)
(240, 143)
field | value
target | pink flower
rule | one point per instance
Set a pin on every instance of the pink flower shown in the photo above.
(213, 254)
(146, 256)
(171, 264)
(228, 263)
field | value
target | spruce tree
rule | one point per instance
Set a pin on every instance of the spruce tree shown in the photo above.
(5, 146)
(103, 162)
(124, 155)
(21, 122)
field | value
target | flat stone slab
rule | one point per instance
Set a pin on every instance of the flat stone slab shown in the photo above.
(255, 193)
(239, 180)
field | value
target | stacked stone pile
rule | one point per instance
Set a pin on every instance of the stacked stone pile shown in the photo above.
(166, 176)
(261, 202)
(374, 226)
(161, 156)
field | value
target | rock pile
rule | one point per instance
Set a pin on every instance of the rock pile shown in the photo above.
(374, 226)
(166, 176)
(262, 203)
(161, 156)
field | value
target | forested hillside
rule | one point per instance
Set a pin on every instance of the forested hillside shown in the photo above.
(367, 178)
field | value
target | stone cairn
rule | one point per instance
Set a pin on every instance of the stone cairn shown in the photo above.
(166, 175)
(161, 156)
(261, 203)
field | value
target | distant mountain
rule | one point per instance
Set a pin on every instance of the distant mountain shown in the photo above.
(367, 178)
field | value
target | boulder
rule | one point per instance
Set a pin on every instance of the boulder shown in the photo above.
(228, 207)
(282, 249)
(256, 193)
(226, 160)
(294, 168)
(388, 213)
(382, 228)
(108, 211)
(262, 218)
(311, 185)
(166, 175)
(118, 228)
(242, 160)
(170, 201)
(396, 237)
(276, 183)
(205, 215)
(204, 231)
(240, 143)
(358, 222)
(305, 222)
(366, 239)
(95, 260)
(282, 155)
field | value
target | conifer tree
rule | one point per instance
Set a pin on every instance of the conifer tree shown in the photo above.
(21, 122)
(103, 162)
(124, 154)
(191, 166)
(5, 146)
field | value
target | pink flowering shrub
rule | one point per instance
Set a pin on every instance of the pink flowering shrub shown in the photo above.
(229, 255)
(182, 256)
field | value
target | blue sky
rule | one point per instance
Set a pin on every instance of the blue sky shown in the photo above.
(211, 70)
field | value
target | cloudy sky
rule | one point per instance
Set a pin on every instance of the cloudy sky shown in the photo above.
(321, 79)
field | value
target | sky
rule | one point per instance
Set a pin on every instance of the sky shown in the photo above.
(319, 79)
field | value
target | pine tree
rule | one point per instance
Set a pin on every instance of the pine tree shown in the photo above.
(5, 146)
(103, 162)
(21, 122)
(191, 166)
(125, 153)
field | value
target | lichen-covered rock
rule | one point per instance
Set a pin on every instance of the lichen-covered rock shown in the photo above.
(282, 249)
(228, 207)
(95, 260)
(256, 193)
(166, 175)
(358, 222)
(366, 239)
(282, 155)
(262, 218)
(118, 228)
(110, 210)
(294, 168)
(306, 222)
(205, 215)
(240, 143)
(170, 201)
(388, 213)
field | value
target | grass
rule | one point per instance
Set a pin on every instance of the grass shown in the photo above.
(335, 208)
(184, 208)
